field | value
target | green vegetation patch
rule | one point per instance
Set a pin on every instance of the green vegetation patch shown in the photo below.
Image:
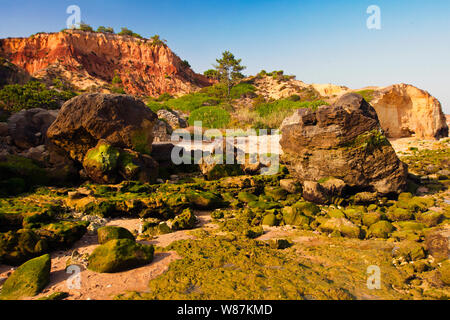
(211, 117)
(34, 94)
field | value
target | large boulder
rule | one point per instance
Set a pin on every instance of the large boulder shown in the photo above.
(121, 120)
(28, 280)
(343, 141)
(109, 135)
(28, 128)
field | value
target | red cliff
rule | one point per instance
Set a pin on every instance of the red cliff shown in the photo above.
(90, 60)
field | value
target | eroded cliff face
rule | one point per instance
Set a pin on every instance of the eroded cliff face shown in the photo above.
(404, 110)
(90, 61)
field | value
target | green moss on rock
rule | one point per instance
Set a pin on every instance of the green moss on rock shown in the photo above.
(107, 233)
(27, 280)
(120, 255)
(381, 229)
(342, 225)
(186, 220)
(19, 246)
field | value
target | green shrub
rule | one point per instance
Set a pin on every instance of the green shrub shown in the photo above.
(240, 89)
(212, 117)
(190, 102)
(103, 29)
(366, 94)
(34, 94)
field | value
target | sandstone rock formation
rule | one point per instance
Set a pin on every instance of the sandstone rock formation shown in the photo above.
(343, 141)
(91, 60)
(404, 110)
(111, 135)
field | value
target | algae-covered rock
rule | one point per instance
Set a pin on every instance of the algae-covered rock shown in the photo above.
(409, 225)
(55, 296)
(120, 255)
(205, 200)
(341, 225)
(399, 214)
(270, 220)
(100, 163)
(186, 220)
(276, 193)
(369, 218)
(62, 234)
(294, 216)
(381, 229)
(280, 244)
(27, 280)
(354, 215)
(247, 197)
(444, 272)
(107, 233)
(336, 213)
(19, 246)
(429, 218)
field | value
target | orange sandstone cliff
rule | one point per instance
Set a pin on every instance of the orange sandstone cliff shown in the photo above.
(89, 61)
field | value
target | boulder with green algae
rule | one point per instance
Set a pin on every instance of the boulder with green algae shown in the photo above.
(276, 193)
(295, 217)
(409, 225)
(55, 296)
(62, 234)
(204, 199)
(186, 220)
(381, 229)
(19, 246)
(247, 197)
(261, 206)
(399, 214)
(107, 233)
(120, 255)
(336, 213)
(280, 243)
(369, 218)
(107, 164)
(444, 272)
(429, 218)
(270, 220)
(27, 280)
(354, 214)
(341, 225)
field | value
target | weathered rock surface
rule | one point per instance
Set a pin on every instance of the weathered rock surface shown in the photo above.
(404, 110)
(28, 127)
(343, 141)
(173, 118)
(91, 60)
(121, 120)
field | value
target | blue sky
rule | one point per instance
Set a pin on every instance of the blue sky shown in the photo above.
(318, 41)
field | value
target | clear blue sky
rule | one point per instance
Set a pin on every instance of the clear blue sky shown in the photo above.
(319, 41)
